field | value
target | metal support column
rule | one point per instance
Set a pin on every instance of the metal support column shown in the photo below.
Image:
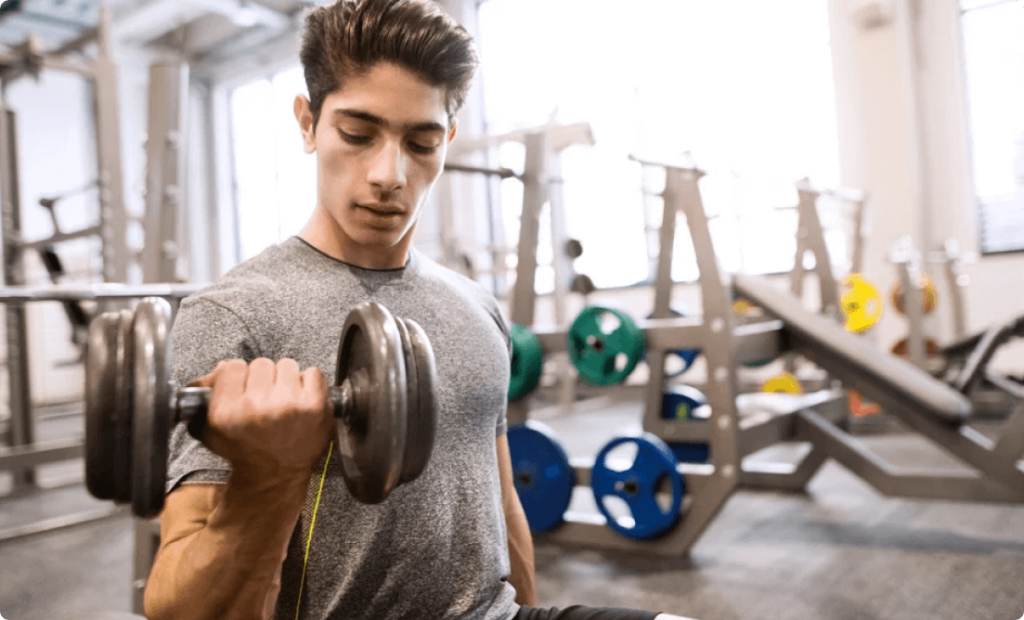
(524, 293)
(21, 431)
(165, 165)
(563, 269)
(108, 157)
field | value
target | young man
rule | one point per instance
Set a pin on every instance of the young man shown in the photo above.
(258, 522)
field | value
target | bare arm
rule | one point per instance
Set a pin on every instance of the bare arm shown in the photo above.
(221, 549)
(222, 546)
(520, 544)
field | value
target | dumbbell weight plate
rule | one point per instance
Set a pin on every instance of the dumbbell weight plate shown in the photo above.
(151, 422)
(107, 421)
(421, 379)
(371, 441)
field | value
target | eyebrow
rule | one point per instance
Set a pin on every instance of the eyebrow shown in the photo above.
(376, 120)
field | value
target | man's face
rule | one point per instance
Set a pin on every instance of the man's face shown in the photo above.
(380, 143)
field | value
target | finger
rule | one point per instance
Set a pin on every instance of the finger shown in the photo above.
(229, 377)
(315, 388)
(288, 374)
(262, 373)
(208, 379)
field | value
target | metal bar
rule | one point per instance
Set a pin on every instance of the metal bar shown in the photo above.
(1010, 446)
(147, 542)
(29, 456)
(562, 264)
(165, 169)
(57, 523)
(558, 137)
(977, 362)
(720, 355)
(60, 238)
(759, 341)
(21, 431)
(860, 234)
(783, 476)
(57, 63)
(16, 295)
(814, 236)
(534, 197)
(763, 430)
(913, 298)
(114, 215)
(74, 45)
(504, 173)
(950, 485)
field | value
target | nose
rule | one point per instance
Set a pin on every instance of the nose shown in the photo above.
(388, 167)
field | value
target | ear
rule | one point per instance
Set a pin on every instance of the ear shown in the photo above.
(304, 115)
(452, 132)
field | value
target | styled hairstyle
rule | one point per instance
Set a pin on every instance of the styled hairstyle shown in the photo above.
(349, 37)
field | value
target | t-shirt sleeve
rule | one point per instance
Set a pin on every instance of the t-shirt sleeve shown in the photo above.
(495, 311)
(204, 333)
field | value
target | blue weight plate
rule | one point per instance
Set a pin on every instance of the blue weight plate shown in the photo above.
(637, 486)
(543, 477)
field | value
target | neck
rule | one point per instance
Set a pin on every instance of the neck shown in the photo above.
(324, 234)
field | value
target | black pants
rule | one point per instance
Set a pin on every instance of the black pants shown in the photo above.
(578, 612)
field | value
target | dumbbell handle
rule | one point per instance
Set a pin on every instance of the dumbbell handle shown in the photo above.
(190, 405)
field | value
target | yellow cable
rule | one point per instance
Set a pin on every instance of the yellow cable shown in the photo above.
(312, 524)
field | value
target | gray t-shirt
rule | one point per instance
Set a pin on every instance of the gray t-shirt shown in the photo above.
(437, 547)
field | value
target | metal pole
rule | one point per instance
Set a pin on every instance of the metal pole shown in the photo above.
(524, 294)
(563, 272)
(113, 215)
(165, 165)
(21, 430)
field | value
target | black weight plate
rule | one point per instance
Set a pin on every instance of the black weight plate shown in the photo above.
(371, 438)
(151, 421)
(421, 375)
(101, 405)
(123, 389)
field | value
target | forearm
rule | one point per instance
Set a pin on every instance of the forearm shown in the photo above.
(520, 553)
(230, 568)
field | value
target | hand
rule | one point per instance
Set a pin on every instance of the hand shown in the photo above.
(269, 420)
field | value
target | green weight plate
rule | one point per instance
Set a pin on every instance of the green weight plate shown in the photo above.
(151, 420)
(371, 438)
(421, 377)
(101, 405)
(605, 345)
(527, 362)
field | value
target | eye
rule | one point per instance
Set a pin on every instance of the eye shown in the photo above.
(421, 149)
(354, 139)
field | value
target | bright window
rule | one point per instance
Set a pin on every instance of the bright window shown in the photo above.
(745, 86)
(994, 59)
(275, 180)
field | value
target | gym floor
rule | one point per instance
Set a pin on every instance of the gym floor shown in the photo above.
(840, 552)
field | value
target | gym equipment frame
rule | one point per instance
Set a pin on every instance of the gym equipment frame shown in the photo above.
(924, 404)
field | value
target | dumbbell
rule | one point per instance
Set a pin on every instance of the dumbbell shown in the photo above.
(384, 399)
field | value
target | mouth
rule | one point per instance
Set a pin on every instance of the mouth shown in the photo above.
(383, 210)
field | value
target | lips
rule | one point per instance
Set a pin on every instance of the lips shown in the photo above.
(383, 209)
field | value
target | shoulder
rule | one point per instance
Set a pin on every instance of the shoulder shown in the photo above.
(456, 284)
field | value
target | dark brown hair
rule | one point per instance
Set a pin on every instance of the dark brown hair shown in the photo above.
(349, 37)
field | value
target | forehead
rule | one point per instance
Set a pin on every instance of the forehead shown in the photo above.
(392, 93)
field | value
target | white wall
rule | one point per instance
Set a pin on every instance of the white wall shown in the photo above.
(903, 137)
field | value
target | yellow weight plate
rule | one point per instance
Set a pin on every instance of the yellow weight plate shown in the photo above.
(744, 308)
(785, 383)
(861, 303)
